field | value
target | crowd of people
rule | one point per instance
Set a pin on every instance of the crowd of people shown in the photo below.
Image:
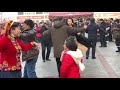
(21, 42)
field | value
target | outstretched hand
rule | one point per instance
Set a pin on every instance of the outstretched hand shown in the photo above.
(85, 26)
(35, 44)
(78, 33)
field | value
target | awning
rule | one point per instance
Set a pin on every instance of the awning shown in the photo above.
(52, 15)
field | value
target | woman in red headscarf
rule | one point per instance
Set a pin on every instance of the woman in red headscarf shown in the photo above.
(10, 49)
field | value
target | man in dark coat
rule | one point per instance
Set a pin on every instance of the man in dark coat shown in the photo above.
(59, 33)
(92, 36)
(103, 36)
(31, 56)
(46, 42)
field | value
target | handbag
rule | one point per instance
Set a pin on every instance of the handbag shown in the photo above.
(82, 48)
(81, 66)
(84, 40)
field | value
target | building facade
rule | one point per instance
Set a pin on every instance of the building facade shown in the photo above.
(107, 15)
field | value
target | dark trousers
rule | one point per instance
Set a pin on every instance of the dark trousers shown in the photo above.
(93, 40)
(29, 69)
(110, 35)
(58, 65)
(117, 42)
(45, 55)
(103, 40)
(11, 74)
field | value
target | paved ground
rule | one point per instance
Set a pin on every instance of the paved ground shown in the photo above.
(107, 64)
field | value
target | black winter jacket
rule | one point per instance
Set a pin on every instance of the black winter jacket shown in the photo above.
(28, 36)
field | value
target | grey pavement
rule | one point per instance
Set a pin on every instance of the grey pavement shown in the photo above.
(106, 65)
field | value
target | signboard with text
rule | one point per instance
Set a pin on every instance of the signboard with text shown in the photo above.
(29, 17)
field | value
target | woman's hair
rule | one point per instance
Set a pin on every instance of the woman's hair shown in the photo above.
(71, 20)
(15, 24)
(70, 43)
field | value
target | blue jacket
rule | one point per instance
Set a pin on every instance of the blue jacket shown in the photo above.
(92, 29)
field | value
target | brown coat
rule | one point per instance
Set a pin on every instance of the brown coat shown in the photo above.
(116, 33)
(59, 33)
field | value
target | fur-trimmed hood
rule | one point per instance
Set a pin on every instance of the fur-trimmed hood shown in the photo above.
(76, 55)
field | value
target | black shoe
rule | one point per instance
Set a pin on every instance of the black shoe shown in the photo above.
(86, 57)
(93, 57)
(48, 60)
(100, 46)
(117, 51)
(105, 46)
(43, 60)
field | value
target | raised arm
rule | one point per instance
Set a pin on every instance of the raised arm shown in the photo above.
(25, 35)
(74, 31)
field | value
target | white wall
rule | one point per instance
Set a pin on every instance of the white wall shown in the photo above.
(10, 15)
(106, 15)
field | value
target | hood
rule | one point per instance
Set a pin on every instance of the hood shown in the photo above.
(76, 55)
(58, 24)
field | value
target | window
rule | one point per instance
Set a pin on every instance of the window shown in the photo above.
(20, 13)
(39, 12)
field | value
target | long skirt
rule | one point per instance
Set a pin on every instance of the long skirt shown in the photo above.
(11, 74)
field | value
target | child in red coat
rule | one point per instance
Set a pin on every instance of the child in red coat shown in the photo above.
(70, 59)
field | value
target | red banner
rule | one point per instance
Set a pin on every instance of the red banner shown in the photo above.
(30, 17)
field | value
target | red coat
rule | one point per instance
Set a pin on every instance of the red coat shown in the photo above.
(69, 68)
(38, 34)
(8, 52)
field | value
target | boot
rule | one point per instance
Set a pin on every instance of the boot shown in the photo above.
(118, 49)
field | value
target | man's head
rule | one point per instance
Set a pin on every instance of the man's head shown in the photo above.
(28, 24)
(92, 20)
(101, 20)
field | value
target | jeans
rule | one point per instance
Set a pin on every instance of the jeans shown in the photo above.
(29, 69)
(10, 74)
